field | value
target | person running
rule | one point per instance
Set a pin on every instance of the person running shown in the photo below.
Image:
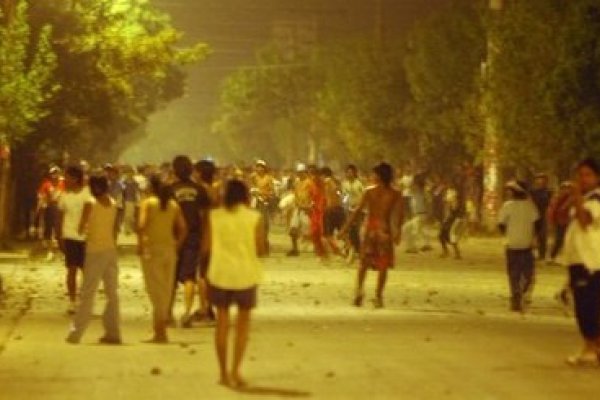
(452, 215)
(97, 223)
(335, 216)
(234, 242)
(48, 196)
(317, 212)
(161, 232)
(582, 255)
(194, 203)
(384, 208)
(353, 189)
(541, 196)
(518, 221)
(559, 217)
(72, 243)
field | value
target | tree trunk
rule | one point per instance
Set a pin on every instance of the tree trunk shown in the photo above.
(5, 192)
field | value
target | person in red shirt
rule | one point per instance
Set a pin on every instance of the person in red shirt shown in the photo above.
(48, 195)
(559, 217)
(317, 213)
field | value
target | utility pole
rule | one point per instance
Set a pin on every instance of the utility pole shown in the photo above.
(492, 178)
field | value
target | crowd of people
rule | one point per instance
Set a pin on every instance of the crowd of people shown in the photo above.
(205, 228)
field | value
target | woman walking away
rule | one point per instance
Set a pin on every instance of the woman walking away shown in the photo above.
(383, 206)
(582, 254)
(161, 233)
(234, 240)
(98, 222)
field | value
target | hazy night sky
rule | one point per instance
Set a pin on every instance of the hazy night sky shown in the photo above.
(235, 29)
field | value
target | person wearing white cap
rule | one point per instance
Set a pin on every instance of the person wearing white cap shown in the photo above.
(263, 190)
(299, 220)
(517, 220)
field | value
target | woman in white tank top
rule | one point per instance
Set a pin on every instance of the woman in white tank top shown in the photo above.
(234, 241)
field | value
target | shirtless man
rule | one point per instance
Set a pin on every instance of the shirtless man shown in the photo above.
(299, 219)
(383, 205)
(263, 190)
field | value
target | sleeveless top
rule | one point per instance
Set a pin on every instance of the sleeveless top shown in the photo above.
(159, 223)
(101, 227)
(234, 264)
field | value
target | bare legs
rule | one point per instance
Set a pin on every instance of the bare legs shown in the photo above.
(241, 342)
(360, 292)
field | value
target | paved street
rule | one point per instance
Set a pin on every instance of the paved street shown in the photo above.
(445, 334)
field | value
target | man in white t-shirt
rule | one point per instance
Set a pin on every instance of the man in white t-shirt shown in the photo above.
(71, 205)
(353, 190)
(519, 221)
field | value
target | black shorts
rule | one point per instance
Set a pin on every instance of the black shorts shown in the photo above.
(334, 220)
(245, 299)
(74, 253)
(188, 261)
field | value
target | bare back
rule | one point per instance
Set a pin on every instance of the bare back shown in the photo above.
(382, 205)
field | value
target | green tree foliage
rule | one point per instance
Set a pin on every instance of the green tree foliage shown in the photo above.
(118, 62)
(27, 63)
(268, 108)
(361, 102)
(443, 67)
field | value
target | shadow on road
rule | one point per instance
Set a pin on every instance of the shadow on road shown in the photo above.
(269, 391)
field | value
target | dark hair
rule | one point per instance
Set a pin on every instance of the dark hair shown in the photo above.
(591, 164)
(385, 173)
(236, 193)
(98, 185)
(75, 172)
(160, 190)
(207, 170)
(183, 168)
(327, 172)
(353, 168)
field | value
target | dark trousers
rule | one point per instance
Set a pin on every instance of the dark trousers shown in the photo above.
(542, 240)
(559, 240)
(354, 233)
(586, 293)
(520, 267)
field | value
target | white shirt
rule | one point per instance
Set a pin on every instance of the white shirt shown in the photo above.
(353, 192)
(582, 245)
(519, 217)
(72, 204)
(234, 264)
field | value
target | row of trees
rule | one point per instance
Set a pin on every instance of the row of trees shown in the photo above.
(81, 77)
(425, 96)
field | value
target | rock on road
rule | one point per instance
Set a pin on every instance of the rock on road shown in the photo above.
(445, 334)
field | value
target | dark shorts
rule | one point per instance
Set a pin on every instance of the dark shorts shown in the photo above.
(334, 220)
(224, 298)
(188, 261)
(74, 253)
